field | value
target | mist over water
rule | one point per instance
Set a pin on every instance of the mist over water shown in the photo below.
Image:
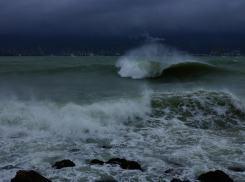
(173, 112)
(149, 61)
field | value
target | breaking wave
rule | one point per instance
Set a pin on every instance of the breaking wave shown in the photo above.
(217, 110)
(140, 69)
(156, 60)
(45, 119)
(151, 61)
(150, 69)
(198, 109)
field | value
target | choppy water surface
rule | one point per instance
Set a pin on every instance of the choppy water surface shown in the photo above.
(165, 112)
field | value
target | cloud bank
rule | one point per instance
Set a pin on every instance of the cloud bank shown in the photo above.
(121, 17)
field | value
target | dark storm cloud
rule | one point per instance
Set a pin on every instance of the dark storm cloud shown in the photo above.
(121, 17)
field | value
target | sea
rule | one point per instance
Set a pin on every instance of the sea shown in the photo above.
(153, 105)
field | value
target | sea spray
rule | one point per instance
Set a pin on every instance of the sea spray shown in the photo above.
(89, 112)
(51, 120)
(139, 69)
(149, 61)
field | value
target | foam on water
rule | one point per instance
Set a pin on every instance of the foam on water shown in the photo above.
(202, 109)
(49, 119)
(160, 131)
(169, 141)
(139, 69)
(148, 61)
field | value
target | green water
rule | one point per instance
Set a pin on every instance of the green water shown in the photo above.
(186, 113)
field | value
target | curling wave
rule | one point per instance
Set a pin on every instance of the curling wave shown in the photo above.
(36, 119)
(140, 69)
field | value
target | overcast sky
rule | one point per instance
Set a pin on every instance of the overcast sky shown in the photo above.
(121, 17)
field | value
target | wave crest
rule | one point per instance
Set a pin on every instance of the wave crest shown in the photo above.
(70, 121)
(149, 61)
(150, 69)
(139, 69)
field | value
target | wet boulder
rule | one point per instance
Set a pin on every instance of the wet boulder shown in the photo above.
(29, 176)
(178, 180)
(8, 167)
(215, 176)
(125, 164)
(96, 161)
(74, 150)
(107, 179)
(106, 147)
(63, 163)
(236, 169)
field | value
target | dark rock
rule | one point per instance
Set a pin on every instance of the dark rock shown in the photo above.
(29, 176)
(62, 164)
(122, 162)
(125, 164)
(178, 180)
(75, 150)
(106, 147)
(108, 179)
(215, 176)
(96, 161)
(169, 171)
(237, 169)
(9, 167)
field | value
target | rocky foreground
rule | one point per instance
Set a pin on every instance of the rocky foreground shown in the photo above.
(33, 176)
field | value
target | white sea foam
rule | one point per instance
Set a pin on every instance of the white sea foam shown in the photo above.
(156, 142)
(148, 61)
(47, 119)
(192, 132)
(138, 69)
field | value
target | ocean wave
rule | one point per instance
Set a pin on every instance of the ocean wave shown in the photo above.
(191, 68)
(53, 120)
(149, 61)
(140, 69)
(202, 109)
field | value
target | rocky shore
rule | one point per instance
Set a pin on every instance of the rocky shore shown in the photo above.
(33, 176)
